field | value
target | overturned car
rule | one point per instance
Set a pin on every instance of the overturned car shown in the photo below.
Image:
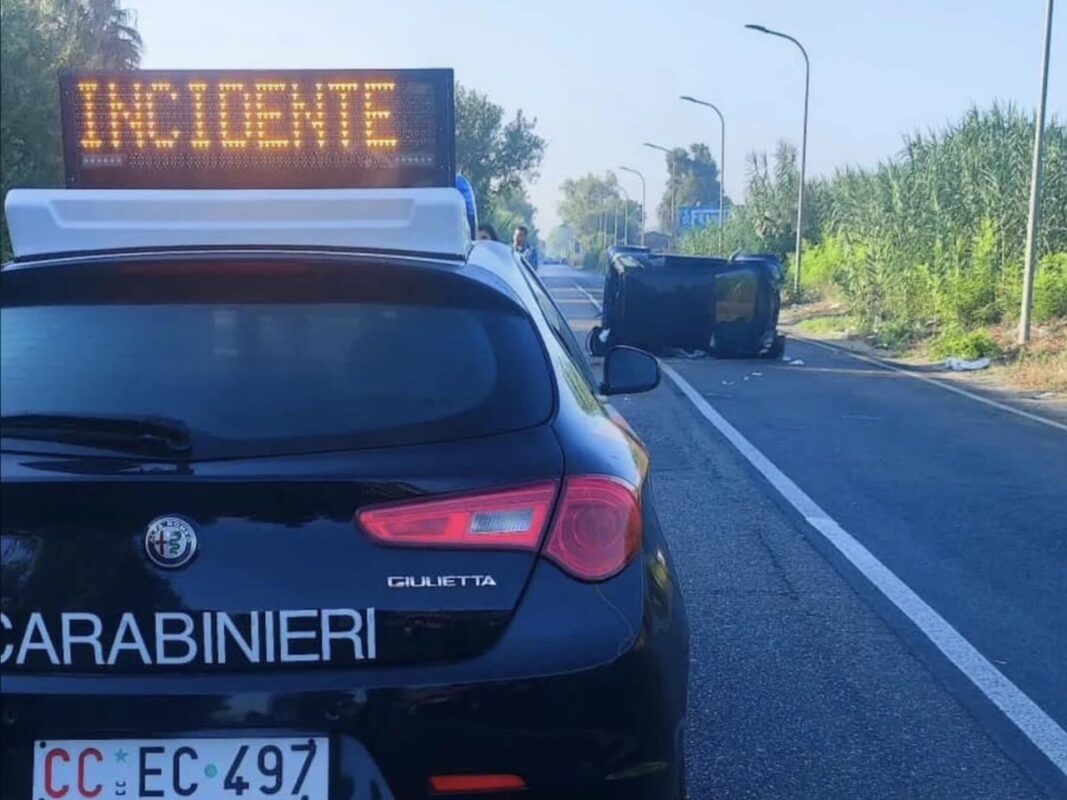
(663, 302)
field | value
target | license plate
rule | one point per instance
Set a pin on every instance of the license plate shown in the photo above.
(181, 769)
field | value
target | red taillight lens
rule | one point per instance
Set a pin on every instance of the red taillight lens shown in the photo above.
(513, 518)
(597, 528)
(476, 784)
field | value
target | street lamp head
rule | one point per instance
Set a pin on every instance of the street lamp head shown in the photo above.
(760, 28)
(688, 99)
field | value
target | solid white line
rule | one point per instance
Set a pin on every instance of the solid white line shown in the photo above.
(1028, 717)
(935, 382)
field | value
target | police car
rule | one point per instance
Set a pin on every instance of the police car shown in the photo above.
(305, 493)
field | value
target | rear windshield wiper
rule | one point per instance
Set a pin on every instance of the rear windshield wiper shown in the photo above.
(147, 434)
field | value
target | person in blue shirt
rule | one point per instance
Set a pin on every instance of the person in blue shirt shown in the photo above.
(524, 248)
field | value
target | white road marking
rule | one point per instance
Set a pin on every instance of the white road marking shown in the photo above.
(1043, 731)
(940, 384)
(1037, 726)
(590, 298)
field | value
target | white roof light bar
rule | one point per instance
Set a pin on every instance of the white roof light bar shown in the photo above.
(429, 221)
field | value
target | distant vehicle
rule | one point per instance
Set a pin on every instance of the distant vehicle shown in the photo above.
(293, 508)
(728, 307)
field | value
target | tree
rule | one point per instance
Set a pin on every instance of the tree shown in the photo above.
(561, 242)
(695, 181)
(497, 157)
(590, 205)
(766, 223)
(512, 208)
(38, 38)
(109, 32)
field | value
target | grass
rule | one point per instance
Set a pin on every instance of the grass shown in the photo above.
(832, 324)
(1045, 372)
(1041, 367)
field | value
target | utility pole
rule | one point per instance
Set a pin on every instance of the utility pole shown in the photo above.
(803, 146)
(722, 164)
(1033, 222)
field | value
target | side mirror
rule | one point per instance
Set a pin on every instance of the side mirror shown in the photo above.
(628, 370)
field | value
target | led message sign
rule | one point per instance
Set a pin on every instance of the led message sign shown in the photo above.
(258, 129)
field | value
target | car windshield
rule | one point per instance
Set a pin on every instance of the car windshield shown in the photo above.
(266, 377)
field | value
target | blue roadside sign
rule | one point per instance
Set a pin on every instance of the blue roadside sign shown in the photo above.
(690, 217)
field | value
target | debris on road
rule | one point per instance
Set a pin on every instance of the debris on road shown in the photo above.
(961, 365)
(796, 362)
(677, 352)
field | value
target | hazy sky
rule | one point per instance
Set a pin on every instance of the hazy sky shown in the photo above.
(603, 77)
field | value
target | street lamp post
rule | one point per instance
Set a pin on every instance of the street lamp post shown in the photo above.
(644, 206)
(670, 162)
(722, 163)
(803, 145)
(615, 230)
(1034, 218)
(625, 215)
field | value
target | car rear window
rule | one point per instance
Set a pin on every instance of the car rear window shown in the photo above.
(736, 294)
(275, 357)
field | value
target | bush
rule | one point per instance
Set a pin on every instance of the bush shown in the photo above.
(824, 264)
(896, 334)
(1050, 288)
(969, 345)
(966, 293)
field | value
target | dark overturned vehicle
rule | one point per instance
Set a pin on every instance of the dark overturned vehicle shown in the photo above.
(663, 302)
(304, 493)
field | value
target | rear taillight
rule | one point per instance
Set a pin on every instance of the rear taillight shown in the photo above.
(597, 529)
(512, 519)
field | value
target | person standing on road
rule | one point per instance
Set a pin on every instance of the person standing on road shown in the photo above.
(524, 248)
(487, 232)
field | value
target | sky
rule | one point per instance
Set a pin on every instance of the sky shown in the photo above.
(603, 77)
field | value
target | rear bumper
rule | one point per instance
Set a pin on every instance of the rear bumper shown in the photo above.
(605, 730)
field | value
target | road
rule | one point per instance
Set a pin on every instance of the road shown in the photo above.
(808, 680)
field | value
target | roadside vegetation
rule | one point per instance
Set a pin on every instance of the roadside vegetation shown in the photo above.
(926, 249)
(38, 38)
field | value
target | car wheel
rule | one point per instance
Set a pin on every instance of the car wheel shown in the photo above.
(594, 344)
(777, 349)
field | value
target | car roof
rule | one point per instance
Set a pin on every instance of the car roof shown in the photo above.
(499, 259)
(428, 225)
(425, 221)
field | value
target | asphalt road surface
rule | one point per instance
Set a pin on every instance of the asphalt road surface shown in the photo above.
(922, 656)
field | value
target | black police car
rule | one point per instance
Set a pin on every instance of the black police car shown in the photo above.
(304, 494)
